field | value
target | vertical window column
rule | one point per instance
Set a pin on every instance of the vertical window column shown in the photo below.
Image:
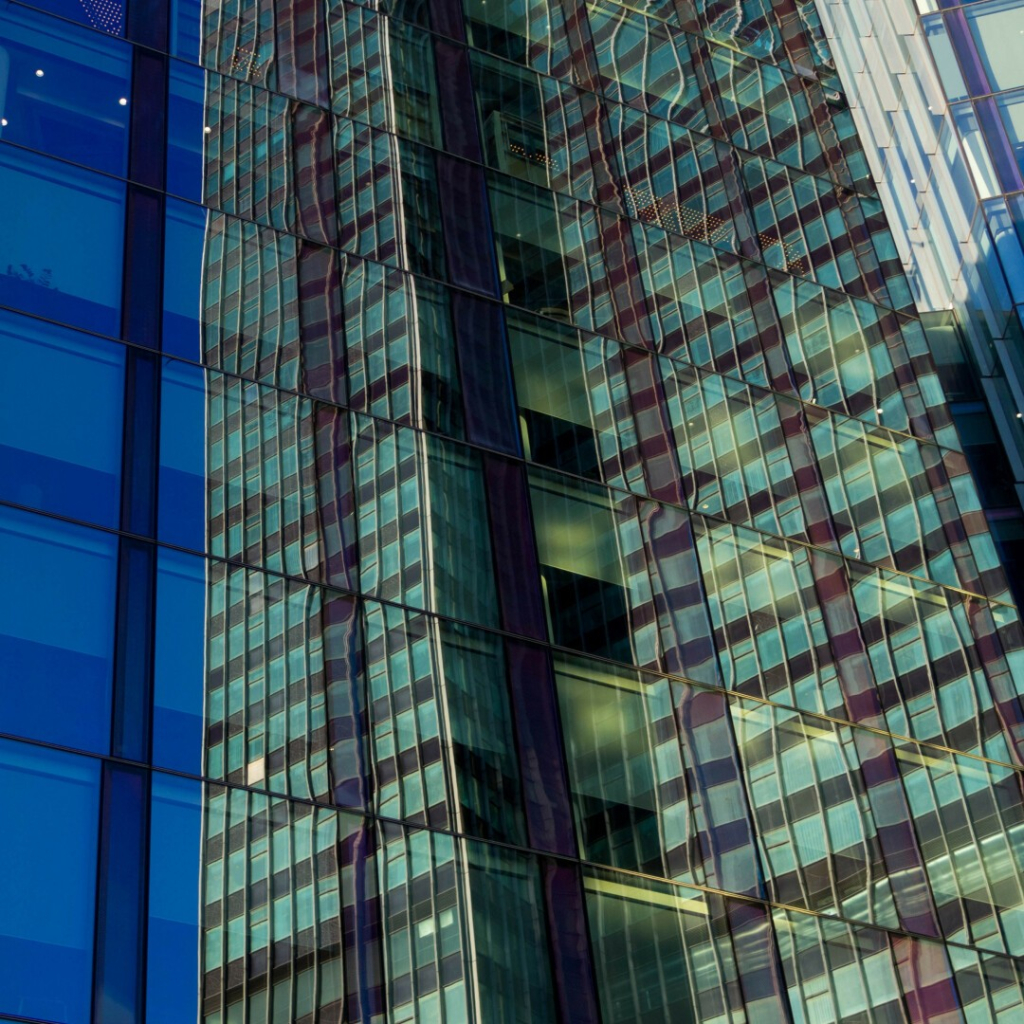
(119, 964)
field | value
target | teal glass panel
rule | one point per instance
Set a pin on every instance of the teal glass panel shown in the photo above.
(626, 770)
(582, 572)
(400, 348)
(254, 474)
(534, 127)
(512, 968)
(646, 64)
(424, 538)
(242, 882)
(382, 74)
(479, 720)
(530, 32)
(655, 953)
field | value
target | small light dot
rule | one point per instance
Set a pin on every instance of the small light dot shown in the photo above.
(1020, 415)
(879, 411)
(3, 122)
(39, 72)
(123, 102)
(207, 130)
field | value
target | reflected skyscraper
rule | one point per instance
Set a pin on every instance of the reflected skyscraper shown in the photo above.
(484, 535)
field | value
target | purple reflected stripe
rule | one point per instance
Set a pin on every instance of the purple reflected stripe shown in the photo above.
(321, 324)
(446, 18)
(335, 499)
(346, 717)
(757, 961)
(538, 738)
(926, 976)
(970, 63)
(573, 973)
(301, 48)
(455, 92)
(485, 374)
(654, 431)
(515, 554)
(469, 240)
(314, 174)
(728, 844)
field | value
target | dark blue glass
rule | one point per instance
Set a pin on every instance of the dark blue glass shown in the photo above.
(184, 240)
(66, 91)
(186, 28)
(49, 804)
(57, 597)
(186, 101)
(182, 516)
(61, 241)
(105, 15)
(68, 461)
(178, 675)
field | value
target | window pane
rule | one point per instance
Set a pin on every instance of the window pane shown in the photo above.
(996, 27)
(62, 239)
(47, 882)
(581, 567)
(174, 893)
(1012, 110)
(68, 461)
(57, 589)
(66, 90)
(105, 15)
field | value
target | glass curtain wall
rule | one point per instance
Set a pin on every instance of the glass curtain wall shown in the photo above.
(508, 554)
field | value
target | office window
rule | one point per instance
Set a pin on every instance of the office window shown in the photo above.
(57, 590)
(49, 804)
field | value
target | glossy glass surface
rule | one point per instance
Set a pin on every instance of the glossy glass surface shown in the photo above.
(71, 276)
(481, 498)
(69, 462)
(65, 92)
(70, 571)
(48, 886)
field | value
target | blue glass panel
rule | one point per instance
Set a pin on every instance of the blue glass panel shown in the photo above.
(184, 242)
(61, 240)
(65, 91)
(186, 100)
(105, 15)
(179, 668)
(68, 461)
(175, 861)
(182, 515)
(47, 882)
(57, 594)
(186, 18)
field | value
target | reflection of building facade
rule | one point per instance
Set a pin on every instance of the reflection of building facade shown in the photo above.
(538, 577)
(937, 92)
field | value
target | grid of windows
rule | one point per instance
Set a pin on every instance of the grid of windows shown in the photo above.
(482, 535)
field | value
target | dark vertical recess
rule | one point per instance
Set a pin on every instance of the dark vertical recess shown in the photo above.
(549, 818)
(119, 966)
(121, 907)
(572, 968)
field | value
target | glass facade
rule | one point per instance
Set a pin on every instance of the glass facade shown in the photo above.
(510, 556)
(936, 88)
